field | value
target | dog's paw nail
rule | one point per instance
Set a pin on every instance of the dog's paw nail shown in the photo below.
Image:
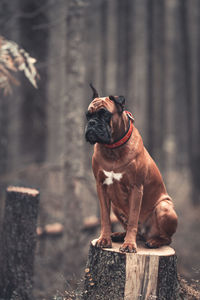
(103, 243)
(148, 245)
(128, 248)
(151, 245)
(121, 249)
(133, 251)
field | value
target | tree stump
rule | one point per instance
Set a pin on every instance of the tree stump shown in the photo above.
(148, 274)
(18, 243)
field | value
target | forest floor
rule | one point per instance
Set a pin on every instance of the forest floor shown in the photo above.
(186, 241)
(59, 264)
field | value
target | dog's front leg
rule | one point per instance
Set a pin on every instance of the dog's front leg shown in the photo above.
(104, 240)
(135, 201)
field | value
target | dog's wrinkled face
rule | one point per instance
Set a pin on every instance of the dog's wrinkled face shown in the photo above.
(102, 113)
(98, 129)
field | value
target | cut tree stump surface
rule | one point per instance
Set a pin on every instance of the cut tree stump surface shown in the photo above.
(141, 249)
(147, 274)
(23, 190)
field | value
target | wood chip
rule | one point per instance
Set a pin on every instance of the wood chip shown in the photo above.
(55, 228)
(87, 270)
(39, 231)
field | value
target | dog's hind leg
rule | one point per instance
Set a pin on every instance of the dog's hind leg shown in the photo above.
(163, 225)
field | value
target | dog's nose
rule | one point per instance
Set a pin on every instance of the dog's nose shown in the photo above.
(92, 122)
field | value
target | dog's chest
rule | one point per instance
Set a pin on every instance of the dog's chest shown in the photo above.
(116, 187)
(111, 177)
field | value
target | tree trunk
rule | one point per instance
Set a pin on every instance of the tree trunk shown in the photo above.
(156, 104)
(137, 95)
(192, 13)
(122, 61)
(73, 151)
(148, 274)
(34, 34)
(10, 105)
(19, 241)
(56, 88)
(111, 67)
(171, 81)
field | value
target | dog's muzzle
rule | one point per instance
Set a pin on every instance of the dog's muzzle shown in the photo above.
(90, 136)
(97, 132)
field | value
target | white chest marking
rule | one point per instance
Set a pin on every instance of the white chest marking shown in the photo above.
(111, 176)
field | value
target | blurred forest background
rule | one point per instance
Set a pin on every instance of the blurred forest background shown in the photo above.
(146, 50)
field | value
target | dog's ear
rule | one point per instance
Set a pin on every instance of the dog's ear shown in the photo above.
(95, 93)
(119, 101)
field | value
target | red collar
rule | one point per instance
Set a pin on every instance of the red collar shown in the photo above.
(127, 135)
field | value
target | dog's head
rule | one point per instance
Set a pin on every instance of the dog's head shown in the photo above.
(101, 115)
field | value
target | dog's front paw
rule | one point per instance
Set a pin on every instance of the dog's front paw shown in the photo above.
(128, 247)
(104, 242)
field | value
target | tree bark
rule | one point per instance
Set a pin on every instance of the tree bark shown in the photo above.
(56, 87)
(156, 67)
(137, 84)
(122, 25)
(111, 68)
(32, 113)
(19, 241)
(73, 152)
(148, 274)
(9, 112)
(171, 81)
(191, 14)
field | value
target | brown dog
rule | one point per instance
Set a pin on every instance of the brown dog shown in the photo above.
(127, 178)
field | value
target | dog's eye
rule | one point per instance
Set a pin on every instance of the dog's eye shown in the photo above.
(107, 115)
(101, 112)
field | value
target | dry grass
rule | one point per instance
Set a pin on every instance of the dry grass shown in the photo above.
(189, 291)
